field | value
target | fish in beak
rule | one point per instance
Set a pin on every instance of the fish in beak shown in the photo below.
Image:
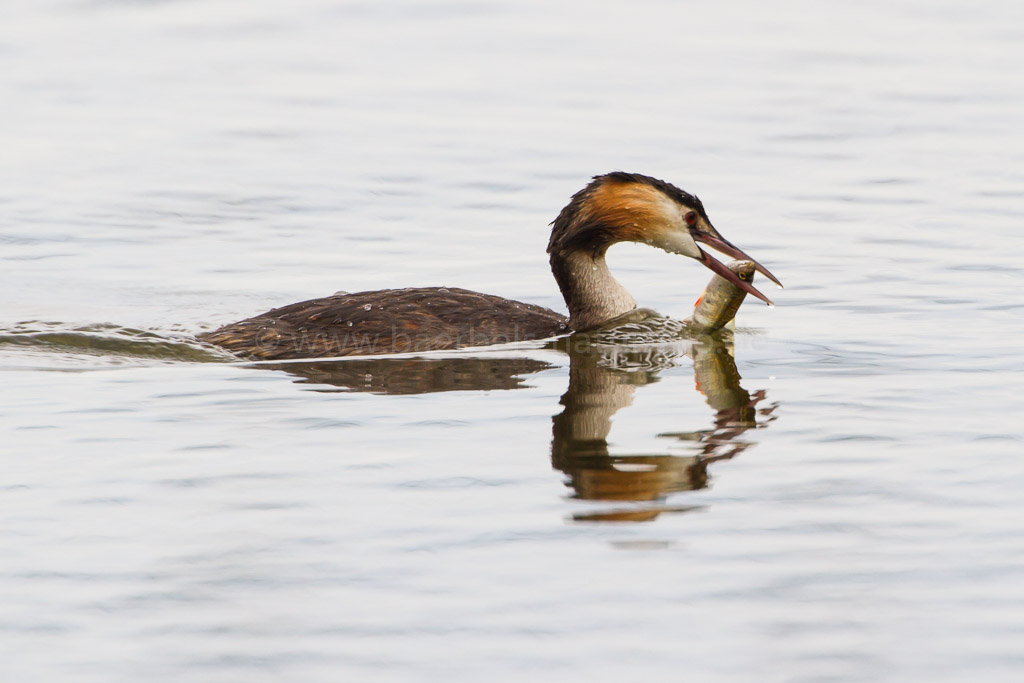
(720, 244)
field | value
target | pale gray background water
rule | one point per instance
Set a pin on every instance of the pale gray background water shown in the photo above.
(171, 166)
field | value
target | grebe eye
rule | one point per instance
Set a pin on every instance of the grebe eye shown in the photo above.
(743, 276)
(690, 217)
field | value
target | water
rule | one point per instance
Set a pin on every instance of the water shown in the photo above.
(841, 503)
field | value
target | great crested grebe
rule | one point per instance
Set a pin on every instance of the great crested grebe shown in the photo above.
(616, 207)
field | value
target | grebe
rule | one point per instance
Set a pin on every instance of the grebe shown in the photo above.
(616, 207)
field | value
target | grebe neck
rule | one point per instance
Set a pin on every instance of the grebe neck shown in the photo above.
(591, 294)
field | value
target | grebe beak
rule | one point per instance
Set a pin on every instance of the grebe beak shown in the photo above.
(719, 243)
(720, 269)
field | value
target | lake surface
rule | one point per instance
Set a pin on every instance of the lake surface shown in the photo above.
(834, 495)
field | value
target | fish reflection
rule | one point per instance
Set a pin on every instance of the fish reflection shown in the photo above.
(736, 411)
(603, 380)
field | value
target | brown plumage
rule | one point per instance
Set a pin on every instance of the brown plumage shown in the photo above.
(386, 321)
(617, 207)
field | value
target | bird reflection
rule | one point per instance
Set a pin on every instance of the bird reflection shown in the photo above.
(603, 380)
(416, 375)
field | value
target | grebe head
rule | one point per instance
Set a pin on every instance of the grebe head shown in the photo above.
(629, 207)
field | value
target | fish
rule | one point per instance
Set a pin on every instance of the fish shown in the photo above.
(721, 299)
